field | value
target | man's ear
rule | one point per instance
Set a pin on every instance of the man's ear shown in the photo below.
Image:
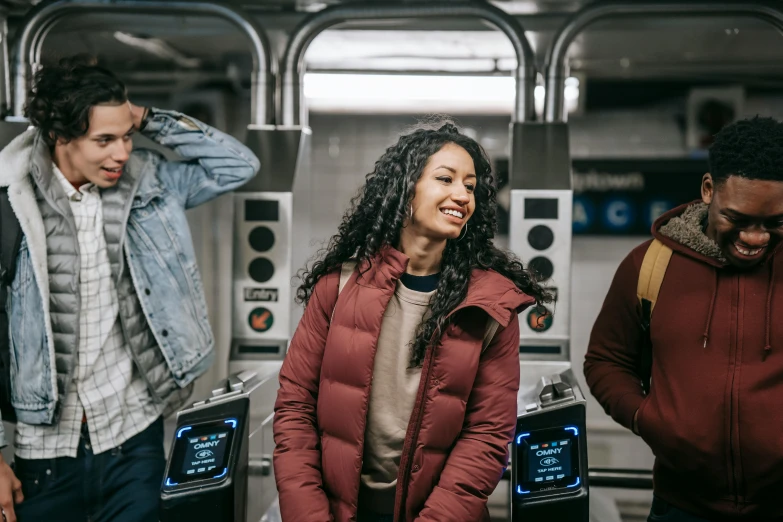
(707, 188)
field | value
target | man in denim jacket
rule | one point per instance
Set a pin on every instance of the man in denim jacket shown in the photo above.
(107, 316)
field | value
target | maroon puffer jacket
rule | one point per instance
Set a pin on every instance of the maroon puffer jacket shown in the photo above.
(456, 445)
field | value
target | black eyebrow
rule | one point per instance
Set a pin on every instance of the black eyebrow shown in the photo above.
(110, 136)
(454, 171)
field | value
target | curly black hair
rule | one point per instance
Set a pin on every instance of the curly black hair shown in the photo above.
(749, 148)
(62, 95)
(377, 213)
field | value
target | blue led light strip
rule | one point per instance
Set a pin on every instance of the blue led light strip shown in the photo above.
(233, 422)
(522, 436)
(182, 430)
(574, 429)
(170, 483)
(225, 470)
(520, 491)
(575, 484)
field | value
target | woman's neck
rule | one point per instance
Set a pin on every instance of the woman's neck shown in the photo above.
(425, 255)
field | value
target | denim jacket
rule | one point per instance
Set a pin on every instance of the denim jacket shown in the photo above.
(152, 237)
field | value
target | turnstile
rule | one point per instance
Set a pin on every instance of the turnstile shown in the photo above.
(549, 474)
(219, 466)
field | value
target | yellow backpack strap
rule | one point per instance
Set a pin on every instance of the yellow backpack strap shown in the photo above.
(656, 260)
(654, 265)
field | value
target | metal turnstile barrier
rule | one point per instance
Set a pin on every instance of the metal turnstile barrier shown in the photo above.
(549, 475)
(549, 478)
(613, 478)
(219, 466)
(621, 478)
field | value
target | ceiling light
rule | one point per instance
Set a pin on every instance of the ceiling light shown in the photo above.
(411, 93)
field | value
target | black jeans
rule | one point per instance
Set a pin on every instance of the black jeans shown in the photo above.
(119, 485)
(662, 511)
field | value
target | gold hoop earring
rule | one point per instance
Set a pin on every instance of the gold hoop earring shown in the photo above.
(464, 232)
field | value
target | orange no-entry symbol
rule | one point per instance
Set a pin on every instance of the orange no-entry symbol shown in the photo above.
(261, 319)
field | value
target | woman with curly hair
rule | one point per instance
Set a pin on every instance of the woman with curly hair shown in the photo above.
(397, 399)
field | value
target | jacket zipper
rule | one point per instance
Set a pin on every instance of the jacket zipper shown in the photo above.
(414, 426)
(410, 437)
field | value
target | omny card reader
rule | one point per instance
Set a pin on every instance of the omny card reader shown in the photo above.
(549, 454)
(207, 471)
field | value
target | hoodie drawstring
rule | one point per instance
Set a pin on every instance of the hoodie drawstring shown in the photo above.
(712, 307)
(768, 310)
(768, 346)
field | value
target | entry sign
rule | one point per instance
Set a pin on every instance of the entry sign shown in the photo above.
(261, 319)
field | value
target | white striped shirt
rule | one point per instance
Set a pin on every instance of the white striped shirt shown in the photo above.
(106, 387)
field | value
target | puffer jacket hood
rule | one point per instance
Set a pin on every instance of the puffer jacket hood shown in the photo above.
(487, 289)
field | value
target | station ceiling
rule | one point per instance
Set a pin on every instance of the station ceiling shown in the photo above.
(703, 49)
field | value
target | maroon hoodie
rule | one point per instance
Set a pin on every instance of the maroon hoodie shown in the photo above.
(714, 415)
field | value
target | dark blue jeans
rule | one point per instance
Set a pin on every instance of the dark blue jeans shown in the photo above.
(119, 485)
(662, 511)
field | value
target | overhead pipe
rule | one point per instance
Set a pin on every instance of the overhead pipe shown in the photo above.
(43, 17)
(293, 109)
(557, 69)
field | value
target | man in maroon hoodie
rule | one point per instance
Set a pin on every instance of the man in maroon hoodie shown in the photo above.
(714, 414)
